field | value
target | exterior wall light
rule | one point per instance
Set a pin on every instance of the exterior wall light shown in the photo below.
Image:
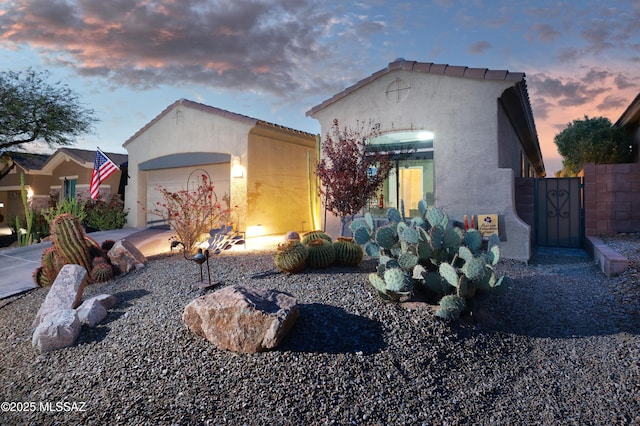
(237, 171)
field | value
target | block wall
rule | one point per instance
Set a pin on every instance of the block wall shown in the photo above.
(612, 198)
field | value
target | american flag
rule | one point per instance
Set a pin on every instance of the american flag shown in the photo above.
(102, 169)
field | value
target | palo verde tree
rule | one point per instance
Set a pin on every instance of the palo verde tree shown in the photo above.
(34, 110)
(350, 174)
(593, 140)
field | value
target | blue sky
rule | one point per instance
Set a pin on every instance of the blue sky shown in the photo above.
(274, 60)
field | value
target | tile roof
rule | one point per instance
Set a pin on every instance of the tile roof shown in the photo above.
(427, 68)
(211, 110)
(26, 160)
(515, 98)
(89, 156)
(39, 161)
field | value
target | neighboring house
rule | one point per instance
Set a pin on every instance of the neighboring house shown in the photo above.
(65, 173)
(468, 131)
(263, 169)
(630, 120)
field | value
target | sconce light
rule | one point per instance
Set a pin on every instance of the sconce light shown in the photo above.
(237, 171)
(255, 230)
(1, 205)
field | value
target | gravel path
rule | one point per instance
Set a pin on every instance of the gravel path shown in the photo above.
(562, 347)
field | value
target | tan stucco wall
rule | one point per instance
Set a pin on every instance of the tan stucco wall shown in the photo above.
(50, 181)
(462, 113)
(278, 190)
(181, 130)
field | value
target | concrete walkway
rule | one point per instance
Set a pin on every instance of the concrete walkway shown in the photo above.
(17, 264)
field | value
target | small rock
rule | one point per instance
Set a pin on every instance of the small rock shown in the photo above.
(91, 312)
(107, 300)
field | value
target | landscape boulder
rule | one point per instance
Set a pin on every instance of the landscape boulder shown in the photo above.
(242, 319)
(65, 293)
(56, 330)
(126, 257)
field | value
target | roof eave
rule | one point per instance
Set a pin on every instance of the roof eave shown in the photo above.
(423, 67)
(631, 114)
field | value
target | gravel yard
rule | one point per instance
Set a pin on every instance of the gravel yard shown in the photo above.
(562, 347)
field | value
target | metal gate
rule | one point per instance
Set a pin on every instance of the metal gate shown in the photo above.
(559, 212)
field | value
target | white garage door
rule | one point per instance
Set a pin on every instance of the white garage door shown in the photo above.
(176, 179)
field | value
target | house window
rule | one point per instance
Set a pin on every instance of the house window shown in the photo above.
(412, 177)
(69, 189)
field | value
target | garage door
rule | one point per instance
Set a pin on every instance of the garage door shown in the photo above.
(176, 179)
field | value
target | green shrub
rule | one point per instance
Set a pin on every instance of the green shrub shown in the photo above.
(105, 215)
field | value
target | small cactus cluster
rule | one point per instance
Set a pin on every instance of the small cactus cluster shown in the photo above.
(291, 256)
(348, 253)
(316, 249)
(72, 246)
(429, 252)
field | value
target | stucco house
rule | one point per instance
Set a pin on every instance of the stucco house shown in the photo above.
(470, 132)
(65, 173)
(265, 170)
(630, 120)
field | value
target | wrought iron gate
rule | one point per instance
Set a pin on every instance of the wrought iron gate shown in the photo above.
(559, 212)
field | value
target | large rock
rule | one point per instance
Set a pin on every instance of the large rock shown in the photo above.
(65, 293)
(91, 312)
(242, 319)
(57, 330)
(106, 300)
(126, 257)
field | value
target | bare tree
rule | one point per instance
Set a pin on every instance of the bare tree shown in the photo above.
(345, 171)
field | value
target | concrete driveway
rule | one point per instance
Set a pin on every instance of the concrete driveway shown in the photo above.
(17, 264)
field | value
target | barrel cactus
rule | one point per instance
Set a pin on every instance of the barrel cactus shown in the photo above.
(70, 241)
(50, 268)
(70, 246)
(102, 270)
(314, 235)
(348, 253)
(291, 256)
(321, 253)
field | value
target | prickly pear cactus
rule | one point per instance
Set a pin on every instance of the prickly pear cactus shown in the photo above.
(291, 257)
(393, 285)
(432, 252)
(451, 307)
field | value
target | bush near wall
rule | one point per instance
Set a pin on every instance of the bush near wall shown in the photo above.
(107, 214)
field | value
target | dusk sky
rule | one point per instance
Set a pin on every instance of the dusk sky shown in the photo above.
(274, 60)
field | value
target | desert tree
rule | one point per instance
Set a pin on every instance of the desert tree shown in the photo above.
(592, 140)
(349, 173)
(34, 110)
